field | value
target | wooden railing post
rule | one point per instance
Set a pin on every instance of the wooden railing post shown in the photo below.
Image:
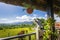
(22, 38)
(29, 37)
(7, 39)
(35, 37)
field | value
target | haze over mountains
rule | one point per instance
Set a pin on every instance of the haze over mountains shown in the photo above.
(23, 22)
(19, 23)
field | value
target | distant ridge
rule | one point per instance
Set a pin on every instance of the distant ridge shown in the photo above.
(19, 23)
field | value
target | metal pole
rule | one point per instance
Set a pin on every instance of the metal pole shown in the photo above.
(51, 14)
(37, 29)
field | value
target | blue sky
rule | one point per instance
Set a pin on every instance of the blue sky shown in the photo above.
(11, 13)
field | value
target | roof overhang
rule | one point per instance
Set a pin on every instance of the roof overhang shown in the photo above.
(38, 4)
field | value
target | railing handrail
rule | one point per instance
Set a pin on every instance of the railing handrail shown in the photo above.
(17, 36)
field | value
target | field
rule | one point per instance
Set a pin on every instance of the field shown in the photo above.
(13, 32)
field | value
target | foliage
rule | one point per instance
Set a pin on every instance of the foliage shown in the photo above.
(47, 30)
(47, 34)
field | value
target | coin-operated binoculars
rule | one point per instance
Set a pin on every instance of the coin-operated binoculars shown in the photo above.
(38, 28)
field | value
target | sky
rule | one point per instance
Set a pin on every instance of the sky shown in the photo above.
(11, 13)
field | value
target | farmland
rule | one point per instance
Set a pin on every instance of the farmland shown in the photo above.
(14, 30)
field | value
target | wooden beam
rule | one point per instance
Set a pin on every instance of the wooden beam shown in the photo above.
(51, 14)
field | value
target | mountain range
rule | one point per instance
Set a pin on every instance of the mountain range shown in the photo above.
(19, 23)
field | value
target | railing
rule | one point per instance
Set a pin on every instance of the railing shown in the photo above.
(19, 37)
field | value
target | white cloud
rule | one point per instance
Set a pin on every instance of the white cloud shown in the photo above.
(28, 18)
(35, 15)
(56, 18)
(10, 21)
(23, 18)
(17, 19)
(45, 15)
(4, 19)
(55, 15)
